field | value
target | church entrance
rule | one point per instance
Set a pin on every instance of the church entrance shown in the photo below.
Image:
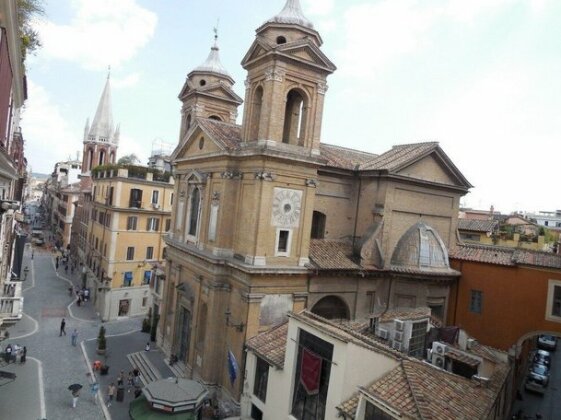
(184, 332)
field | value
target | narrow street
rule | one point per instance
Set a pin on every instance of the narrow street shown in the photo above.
(41, 387)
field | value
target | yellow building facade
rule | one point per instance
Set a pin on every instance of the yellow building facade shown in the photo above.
(131, 212)
(269, 220)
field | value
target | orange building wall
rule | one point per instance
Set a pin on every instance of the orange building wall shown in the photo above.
(514, 302)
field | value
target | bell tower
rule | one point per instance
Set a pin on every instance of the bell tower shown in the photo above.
(101, 139)
(286, 81)
(208, 93)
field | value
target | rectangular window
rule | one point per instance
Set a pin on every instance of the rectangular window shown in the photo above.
(476, 301)
(96, 243)
(147, 277)
(153, 223)
(109, 199)
(108, 219)
(135, 198)
(149, 252)
(131, 222)
(556, 307)
(130, 253)
(171, 200)
(282, 248)
(101, 218)
(168, 225)
(374, 413)
(144, 302)
(260, 380)
(316, 355)
(417, 341)
(155, 196)
(127, 278)
(105, 250)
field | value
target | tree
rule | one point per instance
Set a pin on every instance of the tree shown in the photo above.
(101, 340)
(128, 160)
(27, 10)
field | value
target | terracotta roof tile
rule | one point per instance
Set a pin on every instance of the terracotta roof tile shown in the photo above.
(229, 135)
(332, 255)
(421, 391)
(404, 314)
(398, 156)
(477, 225)
(505, 256)
(341, 157)
(271, 345)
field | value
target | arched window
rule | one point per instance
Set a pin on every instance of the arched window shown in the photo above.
(90, 159)
(112, 157)
(256, 113)
(318, 225)
(101, 157)
(294, 118)
(188, 123)
(331, 307)
(215, 118)
(194, 204)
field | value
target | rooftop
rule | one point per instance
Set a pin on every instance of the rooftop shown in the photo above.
(505, 256)
(476, 225)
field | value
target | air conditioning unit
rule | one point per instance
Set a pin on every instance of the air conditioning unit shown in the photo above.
(438, 361)
(438, 348)
(398, 335)
(383, 333)
(398, 345)
(399, 325)
(471, 342)
(155, 206)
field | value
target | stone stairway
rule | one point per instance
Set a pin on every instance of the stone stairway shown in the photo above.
(148, 373)
(178, 368)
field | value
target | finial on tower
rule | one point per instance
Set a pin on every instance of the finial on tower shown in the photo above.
(108, 71)
(215, 30)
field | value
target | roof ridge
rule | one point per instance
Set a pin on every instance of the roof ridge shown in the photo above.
(347, 148)
(422, 143)
(413, 393)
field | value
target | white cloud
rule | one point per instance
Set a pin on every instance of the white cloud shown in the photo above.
(48, 136)
(129, 145)
(101, 33)
(318, 7)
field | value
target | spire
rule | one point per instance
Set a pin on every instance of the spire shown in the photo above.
(102, 124)
(86, 129)
(212, 64)
(117, 134)
(292, 14)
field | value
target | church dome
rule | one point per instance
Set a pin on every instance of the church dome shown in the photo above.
(420, 249)
(213, 64)
(291, 14)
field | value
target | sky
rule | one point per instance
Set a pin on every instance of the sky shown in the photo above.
(481, 77)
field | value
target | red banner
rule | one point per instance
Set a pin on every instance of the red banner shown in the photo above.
(310, 371)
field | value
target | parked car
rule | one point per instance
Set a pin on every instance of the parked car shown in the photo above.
(547, 342)
(543, 357)
(539, 373)
(534, 386)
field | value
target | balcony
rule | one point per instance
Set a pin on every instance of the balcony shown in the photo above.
(11, 302)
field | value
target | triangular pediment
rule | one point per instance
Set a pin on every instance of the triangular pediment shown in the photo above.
(192, 146)
(220, 90)
(258, 49)
(306, 51)
(434, 167)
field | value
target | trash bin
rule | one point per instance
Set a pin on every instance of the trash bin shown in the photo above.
(120, 393)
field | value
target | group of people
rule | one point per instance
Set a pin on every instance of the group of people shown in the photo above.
(13, 353)
(133, 384)
(82, 295)
(73, 335)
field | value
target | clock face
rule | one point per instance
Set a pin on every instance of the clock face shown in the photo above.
(286, 207)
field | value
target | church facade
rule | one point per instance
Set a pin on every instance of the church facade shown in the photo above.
(268, 219)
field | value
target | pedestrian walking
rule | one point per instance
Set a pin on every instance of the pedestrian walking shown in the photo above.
(32, 254)
(130, 382)
(93, 390)
(66, 269)
(56, 264)
(110, 394)
(74, 337)
(120, 378)
(23, 355)
(8, 353)
(62, 327)
(75, 395)
(147, 347)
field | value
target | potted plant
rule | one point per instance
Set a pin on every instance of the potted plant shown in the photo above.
(101, 341)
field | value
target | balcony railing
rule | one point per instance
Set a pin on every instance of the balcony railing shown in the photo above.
(11, 302)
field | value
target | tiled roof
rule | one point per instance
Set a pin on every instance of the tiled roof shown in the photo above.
(475, 225)
(332, 255)
(505, 256)
(462, 357)
(341, 157)
(229, 135)
(271, 345)
(399, 155)
(409, 314)
(421, 391)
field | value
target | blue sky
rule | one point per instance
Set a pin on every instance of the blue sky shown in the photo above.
(482, 77)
